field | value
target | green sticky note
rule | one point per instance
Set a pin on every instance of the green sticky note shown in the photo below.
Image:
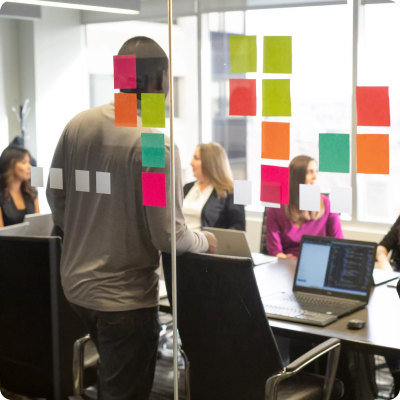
(276, 98)
(243, 53)
(153, 150)
(334, 152)
(277, 55)
(153, 110)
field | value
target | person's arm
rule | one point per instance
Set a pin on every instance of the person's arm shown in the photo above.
(235, 215)
(273, 239)
(382, 258)
(1, 219)
(159, 218)
(56, 197)
(389, 242)
(333, 225)
(36, 203)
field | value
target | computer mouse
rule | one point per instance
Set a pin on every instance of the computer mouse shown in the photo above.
(356, 324)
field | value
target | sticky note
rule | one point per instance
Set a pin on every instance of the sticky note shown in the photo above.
(125, 105)
(242, 97)
(341, 200)
(37, 177)
(373, 106)
(275, 141)
(82, 181)
(243, 54)
(154, 190)
(310, 198)
(276, 98)
(372, 154)
(334, 152)
(273, 175)
(103, 182)
(277, 55)
(56, 178)
(242, 192)
(153, 150)
(125, 72)
(153, 110)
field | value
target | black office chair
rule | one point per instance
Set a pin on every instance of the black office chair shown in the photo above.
(38, 326)
(229, 347)
(263, 244)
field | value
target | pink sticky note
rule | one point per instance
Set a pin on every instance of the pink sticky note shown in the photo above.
(153, 187)
(278, 175)
(270, 192)
(373, 106)
(125, 72)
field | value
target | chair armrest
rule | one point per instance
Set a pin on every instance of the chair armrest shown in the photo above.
(78, 363)
(330, 346)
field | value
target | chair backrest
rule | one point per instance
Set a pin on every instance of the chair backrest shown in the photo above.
(263, 244)
(223, 327)
(38, 327)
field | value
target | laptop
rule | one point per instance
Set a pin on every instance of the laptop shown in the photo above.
(39, 224)
(15, 230)
(333, 279)
(234, 243)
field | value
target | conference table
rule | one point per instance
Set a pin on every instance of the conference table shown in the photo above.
(381, 335)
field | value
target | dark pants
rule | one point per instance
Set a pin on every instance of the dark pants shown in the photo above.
(127, 345)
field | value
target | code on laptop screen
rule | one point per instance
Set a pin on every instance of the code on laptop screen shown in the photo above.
(335, 266)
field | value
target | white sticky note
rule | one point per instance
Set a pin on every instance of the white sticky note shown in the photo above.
(103, 182)
(270, 205)
(56, 178)
(82, 181)
(310, 198)
(242, 192)
(341, 200)
(37, 177)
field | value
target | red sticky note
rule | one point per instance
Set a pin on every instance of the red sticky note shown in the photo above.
(372, 154)
(270, 192)
(373, 106)
(125, 72)
(125, 105)
(242, 98)
(275, 175)
(154, 191)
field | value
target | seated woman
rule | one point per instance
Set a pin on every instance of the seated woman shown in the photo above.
(286, 225)
(209, 200)
(17, 196)
(390, 242)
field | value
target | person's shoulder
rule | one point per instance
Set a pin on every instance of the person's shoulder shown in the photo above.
(1, 195)
(187, 187)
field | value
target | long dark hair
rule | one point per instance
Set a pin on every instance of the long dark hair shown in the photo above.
(297, 175)
(10, 156)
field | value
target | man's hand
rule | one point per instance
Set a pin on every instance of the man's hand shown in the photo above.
(212, 242)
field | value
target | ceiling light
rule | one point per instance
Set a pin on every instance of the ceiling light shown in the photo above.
(75, 6)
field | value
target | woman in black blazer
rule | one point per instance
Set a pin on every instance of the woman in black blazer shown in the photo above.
(209, 200)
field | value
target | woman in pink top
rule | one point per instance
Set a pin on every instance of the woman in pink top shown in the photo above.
(286, 225)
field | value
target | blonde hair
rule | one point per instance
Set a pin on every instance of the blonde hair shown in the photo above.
(297, 175)
(216, 168)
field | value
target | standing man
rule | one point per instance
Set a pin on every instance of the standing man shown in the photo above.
(111, 241)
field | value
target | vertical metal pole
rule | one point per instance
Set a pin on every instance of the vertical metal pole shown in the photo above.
(173, 227)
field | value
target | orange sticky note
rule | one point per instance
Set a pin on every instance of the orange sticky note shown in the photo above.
(372, 154)
(125, 109)
(275, 140)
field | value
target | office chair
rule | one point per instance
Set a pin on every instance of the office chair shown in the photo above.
(229, 348)
(263, 244)
(38, 326)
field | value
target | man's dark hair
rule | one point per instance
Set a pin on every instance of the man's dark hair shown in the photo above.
(151, 62)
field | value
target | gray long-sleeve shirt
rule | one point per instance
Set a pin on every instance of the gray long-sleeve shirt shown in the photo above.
(111, 242)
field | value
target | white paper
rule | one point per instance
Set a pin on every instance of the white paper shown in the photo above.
(341, 200)
(270, 205)
(82, 181)
(242, 192)
(310, 198)
(103, 182)
(37, 177)
(56, 178)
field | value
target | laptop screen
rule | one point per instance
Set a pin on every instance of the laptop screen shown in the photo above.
(335, 265)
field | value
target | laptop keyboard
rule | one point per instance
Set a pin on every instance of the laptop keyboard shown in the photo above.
(318, 301)
(292, 314)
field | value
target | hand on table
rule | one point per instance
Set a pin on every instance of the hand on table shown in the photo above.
(212, 242)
